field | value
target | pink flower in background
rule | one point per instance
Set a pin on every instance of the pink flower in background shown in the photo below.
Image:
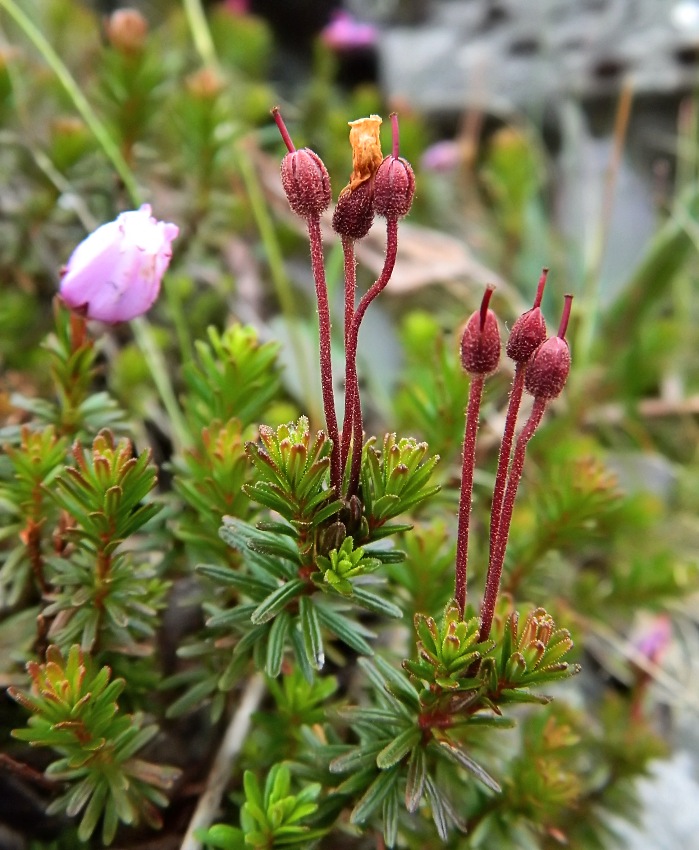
(345, 33)
(653, 640)
(114, 274)
(237, 7)
(442, 156)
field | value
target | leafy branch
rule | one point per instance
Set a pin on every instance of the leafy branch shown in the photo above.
(74, 711)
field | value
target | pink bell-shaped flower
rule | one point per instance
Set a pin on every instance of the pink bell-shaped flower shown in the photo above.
(114, 274)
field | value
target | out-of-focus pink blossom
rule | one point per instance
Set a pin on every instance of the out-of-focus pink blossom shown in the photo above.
(442, 156)
(345, 33)
(114, 274)
(653, 640)
(237, 7)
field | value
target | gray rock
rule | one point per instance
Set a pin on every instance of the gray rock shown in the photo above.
(511, 55)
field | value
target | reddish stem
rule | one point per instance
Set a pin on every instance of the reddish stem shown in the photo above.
(567, 305)
(326, 369)
(351, 379)
(279, 121)
(78, 331)
(469, 456)
(395, 136)
(513, 406)
(351, 393)
(540, 289)
(492, 582)
(357, 445)
(505, 451)
(26, 772)
(485, 301)
(31, 537)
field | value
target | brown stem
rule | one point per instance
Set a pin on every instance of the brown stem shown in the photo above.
(468, 462)
(31, 537)
(25, 771)
(505, 451)
(326, 370)
(351, 354)
(78, 331)
(492, 582)
(103, 567)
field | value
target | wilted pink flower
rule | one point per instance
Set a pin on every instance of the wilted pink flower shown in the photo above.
(345, 33)
(114, 274)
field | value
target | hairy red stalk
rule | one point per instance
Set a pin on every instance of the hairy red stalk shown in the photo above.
(351, 394)
(326, 370)
(545, 377)
(480, 355)
(513, 405)
(469, 456)
(528, 332)
(358, 432)
(351, 379)
(492, 582)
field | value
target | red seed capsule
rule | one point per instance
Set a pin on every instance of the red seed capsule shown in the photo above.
(394, 187)
(529, 331)
(480, 343)
(354, 212)
(306, 182)
(548, 369)
(527, 334)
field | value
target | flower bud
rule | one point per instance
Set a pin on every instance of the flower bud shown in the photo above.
(354, 211)
(205, 84)
(127, 30)
(115, 273)
(529, 331)
(394, 187)
(306, 182)
(480, 343)
(548, 369)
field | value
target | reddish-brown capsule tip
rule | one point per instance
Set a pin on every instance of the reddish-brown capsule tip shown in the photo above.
(529, 331)
(354, 212)
(306, 182)
(549, 367)
(480, 343)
